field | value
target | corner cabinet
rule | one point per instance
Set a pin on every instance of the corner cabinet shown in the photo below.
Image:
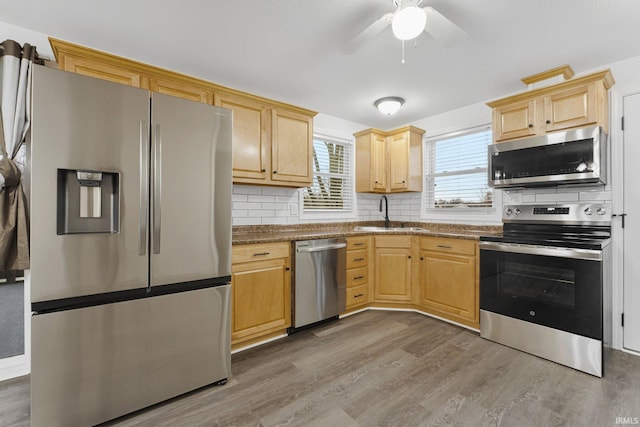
(272, 141)
(389, 162)
(392, 266)
(260, 292)
(571, 104)
(449, 278)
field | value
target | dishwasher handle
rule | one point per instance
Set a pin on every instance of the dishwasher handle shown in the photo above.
(322, 248)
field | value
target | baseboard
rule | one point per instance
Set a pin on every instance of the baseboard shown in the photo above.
(13, 367)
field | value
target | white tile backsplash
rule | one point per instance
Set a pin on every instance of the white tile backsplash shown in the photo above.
(255, 205)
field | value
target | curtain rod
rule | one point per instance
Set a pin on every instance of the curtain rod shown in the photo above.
(44, 58)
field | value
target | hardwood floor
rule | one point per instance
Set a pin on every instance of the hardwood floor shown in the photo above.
(388, 369)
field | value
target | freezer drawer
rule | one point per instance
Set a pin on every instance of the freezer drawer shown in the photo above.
(94, 364)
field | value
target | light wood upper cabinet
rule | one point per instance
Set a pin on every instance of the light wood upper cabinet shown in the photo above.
(260, 291)
(104, 71)
(571, 104)
(571, 107)
(270, 146)
(389, 162)
(273, 141)
(251, 157)
(181, 90)
(392, 266)
(291, 148)
(515, 120)
(448, 279)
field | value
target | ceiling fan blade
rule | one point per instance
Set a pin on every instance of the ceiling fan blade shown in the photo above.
(368, 33)
(441, 29)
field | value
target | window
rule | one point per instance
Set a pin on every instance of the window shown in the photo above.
(456, 170)
(332, 188)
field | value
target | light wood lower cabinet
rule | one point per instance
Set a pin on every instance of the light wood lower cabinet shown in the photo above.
(261, 291)
(358, 271)
(448, 281)
(392, 265)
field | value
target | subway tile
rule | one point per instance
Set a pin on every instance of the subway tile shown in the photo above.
(247, 206)
(557, 197)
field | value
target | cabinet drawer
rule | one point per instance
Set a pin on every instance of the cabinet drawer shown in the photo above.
(357, 259)
(393, 241)
(259, 252)
(358, 295)
(459, 246)
(357, 276)
(360, 242)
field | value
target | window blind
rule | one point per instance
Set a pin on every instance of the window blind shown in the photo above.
(331, 188)
(456, 170)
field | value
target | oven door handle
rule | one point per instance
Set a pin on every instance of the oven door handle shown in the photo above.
(550, 251)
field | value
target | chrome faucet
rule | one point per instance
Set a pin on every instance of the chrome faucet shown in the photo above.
(386, 210)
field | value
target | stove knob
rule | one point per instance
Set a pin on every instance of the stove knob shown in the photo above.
(517, 211)
(601, 211)
(588, 211)
(508, 211)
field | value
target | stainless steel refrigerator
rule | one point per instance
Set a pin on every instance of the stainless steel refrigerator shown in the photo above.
(130, 201)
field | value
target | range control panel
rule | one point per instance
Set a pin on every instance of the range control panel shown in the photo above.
(577, 213)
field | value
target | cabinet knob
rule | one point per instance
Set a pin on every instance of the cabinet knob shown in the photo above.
(530, 125)
(548, 122)
(287, 269)
(409, 257)
(403, 181)
(421, 258)
(275, 172)
(264, 170)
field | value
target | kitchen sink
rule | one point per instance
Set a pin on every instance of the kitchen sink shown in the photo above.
(388, 229)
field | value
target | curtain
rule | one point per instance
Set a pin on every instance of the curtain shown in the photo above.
(15, 74)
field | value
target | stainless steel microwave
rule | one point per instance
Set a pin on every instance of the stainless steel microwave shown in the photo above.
(577, 156)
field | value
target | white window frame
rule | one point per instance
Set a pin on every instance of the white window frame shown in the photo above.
(453, 215)
(329, 214)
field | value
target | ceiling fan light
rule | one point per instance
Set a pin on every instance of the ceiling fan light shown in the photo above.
(409, 22)
(389, 105)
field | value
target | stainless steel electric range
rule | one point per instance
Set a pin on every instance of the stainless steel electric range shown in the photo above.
(545, 283)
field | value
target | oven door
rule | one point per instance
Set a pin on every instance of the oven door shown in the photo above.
(556, 287)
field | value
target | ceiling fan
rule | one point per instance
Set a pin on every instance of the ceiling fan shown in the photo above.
(408, 22)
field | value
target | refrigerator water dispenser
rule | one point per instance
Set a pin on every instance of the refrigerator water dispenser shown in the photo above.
(88, 202)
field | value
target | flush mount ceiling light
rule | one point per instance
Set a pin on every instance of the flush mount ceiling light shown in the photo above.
(409, 22)
(389, 105)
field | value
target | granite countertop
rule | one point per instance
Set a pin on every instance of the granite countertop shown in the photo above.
(282, 233)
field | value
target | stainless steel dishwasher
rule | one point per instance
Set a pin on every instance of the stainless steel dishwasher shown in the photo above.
(319, 280)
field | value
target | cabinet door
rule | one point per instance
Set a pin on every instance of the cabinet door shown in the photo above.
(261, 298)
(514, 120)
(571, 108)
(398, 149)
(392, 275)
(291, 145)
(181, 90)
(379, 163)
(103, 71)
(250, 142)
(448, 284)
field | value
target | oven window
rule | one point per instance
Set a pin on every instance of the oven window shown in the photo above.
(549, 285)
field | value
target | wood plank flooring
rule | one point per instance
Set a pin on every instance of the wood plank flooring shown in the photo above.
(381, 368)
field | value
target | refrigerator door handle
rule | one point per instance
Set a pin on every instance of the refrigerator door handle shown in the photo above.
(157, 187)
(143, 208)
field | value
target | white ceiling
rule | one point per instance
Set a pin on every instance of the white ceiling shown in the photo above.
(290, 50)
